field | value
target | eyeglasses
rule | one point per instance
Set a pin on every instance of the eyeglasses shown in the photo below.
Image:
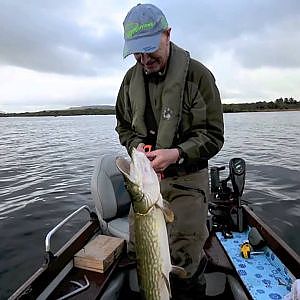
(139, 55)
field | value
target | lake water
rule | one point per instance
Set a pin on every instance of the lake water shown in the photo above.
(46, 165)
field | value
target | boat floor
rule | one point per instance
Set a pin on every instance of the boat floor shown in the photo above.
(97, 286)
(217, 262)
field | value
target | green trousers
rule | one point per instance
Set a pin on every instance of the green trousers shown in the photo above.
(188, 196)
(188, 232)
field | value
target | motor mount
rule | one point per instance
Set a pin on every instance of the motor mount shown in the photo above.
(226, 203)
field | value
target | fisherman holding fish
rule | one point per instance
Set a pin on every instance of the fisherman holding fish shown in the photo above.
(170, 101)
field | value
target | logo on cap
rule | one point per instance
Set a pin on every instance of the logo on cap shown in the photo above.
(132, 29)
(143, 26)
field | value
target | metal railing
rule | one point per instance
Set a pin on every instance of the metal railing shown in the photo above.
(59, 225)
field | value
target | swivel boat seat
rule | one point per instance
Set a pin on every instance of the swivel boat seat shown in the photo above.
(111, 199)
(112, 204)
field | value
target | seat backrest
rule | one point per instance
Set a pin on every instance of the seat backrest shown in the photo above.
(109, 194)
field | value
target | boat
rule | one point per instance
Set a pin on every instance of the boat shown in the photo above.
(245, 259)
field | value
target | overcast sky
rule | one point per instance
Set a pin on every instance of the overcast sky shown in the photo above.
(60, 53)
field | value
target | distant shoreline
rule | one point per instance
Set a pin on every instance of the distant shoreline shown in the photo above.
(277, 106)
(263, 110)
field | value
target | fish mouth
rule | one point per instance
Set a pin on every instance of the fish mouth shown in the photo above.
(123, 165)
(127, 168)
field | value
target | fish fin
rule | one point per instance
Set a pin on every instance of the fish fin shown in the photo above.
(179, 271)
(167, 211)
(167, 282)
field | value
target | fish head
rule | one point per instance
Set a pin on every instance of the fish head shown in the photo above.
(141, 181)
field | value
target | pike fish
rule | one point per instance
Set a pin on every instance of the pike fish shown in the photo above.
(150, 216)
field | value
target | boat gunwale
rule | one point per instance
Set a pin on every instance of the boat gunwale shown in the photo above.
(36, 284)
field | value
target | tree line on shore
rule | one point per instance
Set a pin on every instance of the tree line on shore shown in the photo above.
(277, 105)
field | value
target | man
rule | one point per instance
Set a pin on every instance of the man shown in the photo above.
(170, 101)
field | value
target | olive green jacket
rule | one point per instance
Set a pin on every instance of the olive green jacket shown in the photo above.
(191, 110)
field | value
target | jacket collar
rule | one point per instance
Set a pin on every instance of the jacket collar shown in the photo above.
(172, 98)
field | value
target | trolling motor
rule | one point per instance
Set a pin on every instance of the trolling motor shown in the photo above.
(226, 206)
(237, 171)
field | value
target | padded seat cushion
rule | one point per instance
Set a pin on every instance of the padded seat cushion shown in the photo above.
(119, 227)
(108, 190)
(111, 199)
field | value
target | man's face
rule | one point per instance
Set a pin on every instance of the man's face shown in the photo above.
(156, 61)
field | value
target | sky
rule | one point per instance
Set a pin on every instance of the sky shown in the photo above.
(56, 54)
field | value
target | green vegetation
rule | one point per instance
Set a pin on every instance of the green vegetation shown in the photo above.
(278, 105)
(66, 112)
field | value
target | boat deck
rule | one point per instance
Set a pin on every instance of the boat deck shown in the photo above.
(54, 278)
(217, 262)
(263, 274)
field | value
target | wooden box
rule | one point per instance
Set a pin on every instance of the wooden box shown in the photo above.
(99, 253)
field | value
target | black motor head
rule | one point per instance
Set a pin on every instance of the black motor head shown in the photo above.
(237, 169)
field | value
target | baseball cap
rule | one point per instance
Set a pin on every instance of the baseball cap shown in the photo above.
(143, 27)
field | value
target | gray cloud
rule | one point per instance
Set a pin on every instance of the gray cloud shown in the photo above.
(44, 36)
(278, 46)
(47, 39)
(261, 33)
(237, 38)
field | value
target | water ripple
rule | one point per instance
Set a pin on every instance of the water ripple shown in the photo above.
(46, 166)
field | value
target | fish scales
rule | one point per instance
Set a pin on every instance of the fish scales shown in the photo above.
(151, 238)
(150, 264)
